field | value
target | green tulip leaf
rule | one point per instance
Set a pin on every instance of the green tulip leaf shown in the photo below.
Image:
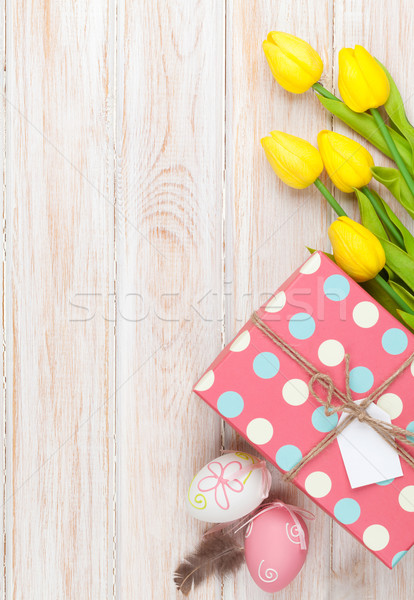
(312, 250)
(407, 235)
(394, 181)
(400, 262)
(391, 275)
(406, 318)
(394, 108)
(364, 124)
(393, 126)
(403, 293)
(369, 217)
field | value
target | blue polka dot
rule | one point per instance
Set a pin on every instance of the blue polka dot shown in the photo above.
(347, 511)
(398, 557)
(230, 404)
(336, 287)
(323, 423)
(288, 456)
(266, 365)
(385, 482)
(394, 341)
(360, 380)
(410, 427)
(302, 326)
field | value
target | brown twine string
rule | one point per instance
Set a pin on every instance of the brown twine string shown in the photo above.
(390, 433)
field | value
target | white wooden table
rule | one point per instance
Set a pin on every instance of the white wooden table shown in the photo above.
(141, 226)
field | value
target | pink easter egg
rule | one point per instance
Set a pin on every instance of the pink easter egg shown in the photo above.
(272, 548)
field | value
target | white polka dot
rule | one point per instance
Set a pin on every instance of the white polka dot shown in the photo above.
(241, 342)
(406, 498)
(311, 265)
(318, 484)
(259, 431)
(331, 353)
(295, 392)
(205, 382)
(365, 314)
(376, 537)
(392, 404)
(276, 303)
(412, 368)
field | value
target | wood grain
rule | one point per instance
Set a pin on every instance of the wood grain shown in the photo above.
(143, 225)
(169, 285)
(270, 225)
(2, 303)
(59, 270)
(385, 30)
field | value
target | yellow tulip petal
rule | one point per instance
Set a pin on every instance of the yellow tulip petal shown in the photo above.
(329, 157)
(357, 251)
(300, 156)
(347, 248)
(284, 170)
(295, 65)
(294, 160)
(347, 162)
(300, 52)
(376, 78)
(286, 71)
(352, 85)
(362, 82)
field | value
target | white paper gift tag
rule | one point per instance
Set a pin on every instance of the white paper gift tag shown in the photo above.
(367, 456)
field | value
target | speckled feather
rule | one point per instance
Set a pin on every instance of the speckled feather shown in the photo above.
(219, 554)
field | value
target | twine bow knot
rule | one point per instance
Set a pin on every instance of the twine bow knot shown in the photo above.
(390, 433)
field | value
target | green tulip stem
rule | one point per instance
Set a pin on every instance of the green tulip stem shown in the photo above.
(379, 209)
(318, 87)
(327, 194)
(393, 149)
(387, 288)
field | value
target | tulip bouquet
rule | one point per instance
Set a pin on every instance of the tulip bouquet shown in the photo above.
(379, 253)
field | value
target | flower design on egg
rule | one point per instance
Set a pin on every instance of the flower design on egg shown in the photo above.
(218, 482)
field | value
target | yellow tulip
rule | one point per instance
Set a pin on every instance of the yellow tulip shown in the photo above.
(295, 65)
(347, 162)
(362, 82)
(356, 250)
(293, 159)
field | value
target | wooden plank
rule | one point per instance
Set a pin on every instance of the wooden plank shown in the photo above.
(169, 328)
(2, 201)
(384, 28)
(269, 223)
(60, 257)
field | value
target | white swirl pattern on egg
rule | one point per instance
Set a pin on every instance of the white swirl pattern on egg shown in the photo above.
(270, 574)
(293, 534)
(249, 529)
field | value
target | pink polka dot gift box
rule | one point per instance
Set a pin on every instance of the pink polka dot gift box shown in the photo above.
(290, 381)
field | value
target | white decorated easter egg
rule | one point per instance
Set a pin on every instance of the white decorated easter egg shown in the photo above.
(217, 495)
(273, 549)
